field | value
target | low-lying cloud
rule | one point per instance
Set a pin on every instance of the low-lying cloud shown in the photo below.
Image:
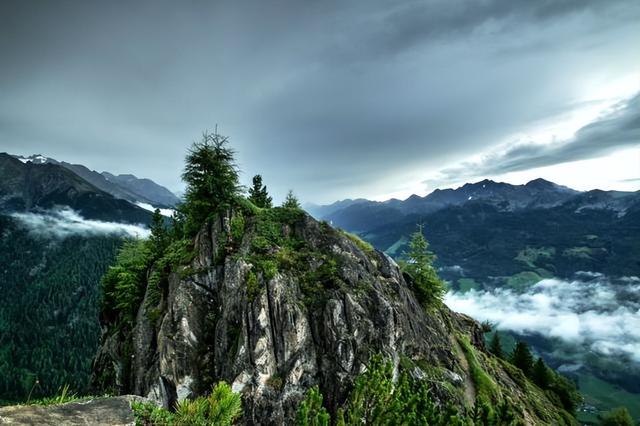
(149, 207)
(66, 222)
(591, 310)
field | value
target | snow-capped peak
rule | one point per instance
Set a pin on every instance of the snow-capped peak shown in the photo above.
(35, 159)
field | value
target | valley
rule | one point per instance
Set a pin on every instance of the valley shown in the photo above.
(497, 245)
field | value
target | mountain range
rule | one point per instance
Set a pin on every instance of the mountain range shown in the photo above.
(363, 215)
(61, 226)
(125, 186)
(486, 235)
(40, 183)
(486, 230)
(491, 238)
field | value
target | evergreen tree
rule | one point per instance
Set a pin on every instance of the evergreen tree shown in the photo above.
(617, 417)
(258, 194)
(311, 412)
(540, 374)
(495, 347)
(159, 237)
(566, 391)
(291, 201)
(427, 286)
(211, 176)
(521, 357)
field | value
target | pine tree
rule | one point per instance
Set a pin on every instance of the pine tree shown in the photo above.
(617, 417)
(496, 345)
(291, 201)
(159, 235)
(427, 286)
(521, 357)
(211, 176)
(258, 194)
(540, 374)
(311, 412)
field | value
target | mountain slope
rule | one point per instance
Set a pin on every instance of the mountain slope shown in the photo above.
(158, 195)
(49, 329)
(275, 302)
(126, 187)
(537, 194)
(30, 186)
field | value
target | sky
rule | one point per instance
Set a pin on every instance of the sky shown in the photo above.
(333, 99)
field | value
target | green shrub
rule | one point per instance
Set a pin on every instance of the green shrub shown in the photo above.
(311, 412)
(253, 288)
(617, 417)
(221, 407)
(378, 399)
(237, 227)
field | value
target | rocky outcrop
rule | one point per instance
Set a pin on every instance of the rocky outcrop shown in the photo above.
(99, 411)
(283, 303)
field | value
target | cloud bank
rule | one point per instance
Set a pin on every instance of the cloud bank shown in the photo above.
(333, 98)
(599, 313)
(618, 129)
(149, 207)
(66, 222)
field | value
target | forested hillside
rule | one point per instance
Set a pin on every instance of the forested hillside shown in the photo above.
(49, 328)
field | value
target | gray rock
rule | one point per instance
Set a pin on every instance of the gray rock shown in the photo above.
(274, 347)
(100, 411)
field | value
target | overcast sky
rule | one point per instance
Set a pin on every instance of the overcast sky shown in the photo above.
(334, 99)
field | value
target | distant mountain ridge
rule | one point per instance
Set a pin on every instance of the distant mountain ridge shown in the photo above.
(32, 186)
(362, 215)
(127, 186)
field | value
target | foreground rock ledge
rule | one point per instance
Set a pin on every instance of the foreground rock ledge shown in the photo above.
(114, 411)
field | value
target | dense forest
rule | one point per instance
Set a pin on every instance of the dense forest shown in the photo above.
(49, 329)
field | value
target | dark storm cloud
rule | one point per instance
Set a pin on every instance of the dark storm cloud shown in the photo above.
(330, 98)
(618, 129)
(407, 24)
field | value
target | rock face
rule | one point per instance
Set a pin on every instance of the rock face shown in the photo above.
(100, 411)
(309, 307)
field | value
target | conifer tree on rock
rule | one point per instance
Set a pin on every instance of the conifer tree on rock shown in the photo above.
(291, 201)
(427, 286)
(496, 345)
(522, 358)
(159, 236)
(258, 194)
(212, 181)
(540, 374)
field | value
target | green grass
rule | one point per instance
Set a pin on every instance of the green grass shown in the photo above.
(523, 280)
(63, 396)
(578, 252)
(359, 242)
(605, 396)
(486, 389)
(530, 255)
(222, 407)
(467, 284)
